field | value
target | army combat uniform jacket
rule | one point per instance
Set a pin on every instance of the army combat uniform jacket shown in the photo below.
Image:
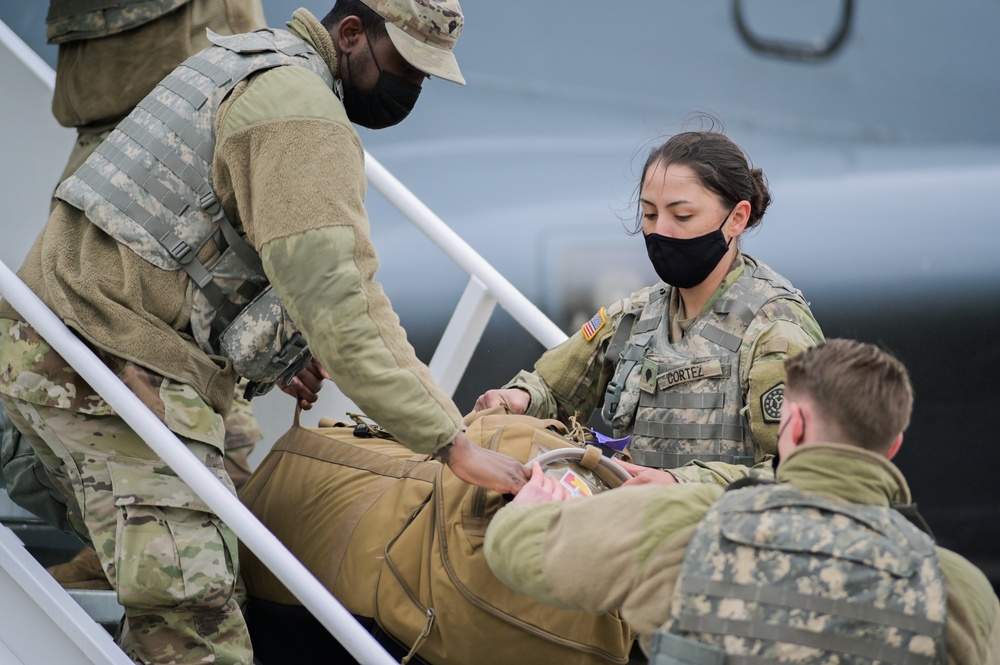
(288, 167)
(718, 375)
(632, 560)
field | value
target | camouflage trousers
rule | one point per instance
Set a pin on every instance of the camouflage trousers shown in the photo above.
(172, 562)
(30, 486)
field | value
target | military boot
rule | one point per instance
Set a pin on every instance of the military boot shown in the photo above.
(83, 571)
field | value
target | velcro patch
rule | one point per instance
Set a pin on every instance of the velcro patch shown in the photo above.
(592, 327)
(647, 376)
(770, 402)
(693, 372)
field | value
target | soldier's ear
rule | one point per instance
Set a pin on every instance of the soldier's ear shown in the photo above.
(739, 218)
(894, 448)
(347, 34)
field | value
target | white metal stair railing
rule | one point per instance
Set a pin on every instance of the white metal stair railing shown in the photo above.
(36, 590)
(244, 524)
(485, 289)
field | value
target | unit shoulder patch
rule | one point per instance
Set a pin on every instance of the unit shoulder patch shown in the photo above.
(770, 402)
(592, 327)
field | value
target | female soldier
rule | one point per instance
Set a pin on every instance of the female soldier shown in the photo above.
(690, 368)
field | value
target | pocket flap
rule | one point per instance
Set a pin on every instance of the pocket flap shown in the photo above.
(152, 483)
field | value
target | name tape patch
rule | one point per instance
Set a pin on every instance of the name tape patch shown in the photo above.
(693, 372)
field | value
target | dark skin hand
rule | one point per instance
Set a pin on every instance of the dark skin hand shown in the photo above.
(486, 468)
(306, 385)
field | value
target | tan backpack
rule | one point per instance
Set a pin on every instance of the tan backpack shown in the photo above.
(397, 537)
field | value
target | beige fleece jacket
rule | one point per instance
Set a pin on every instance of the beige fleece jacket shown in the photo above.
(289, 168)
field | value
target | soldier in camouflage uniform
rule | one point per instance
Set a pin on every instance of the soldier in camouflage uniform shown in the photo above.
(111, 55)
(253, 138)
(820, 568)
(691, 368)
(113, 52)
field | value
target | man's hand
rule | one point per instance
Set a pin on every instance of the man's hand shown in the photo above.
(306, 385)
(486, 468)
(643, 475)
(541, 489)
(514, 400)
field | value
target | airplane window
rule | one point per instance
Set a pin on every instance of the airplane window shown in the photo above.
(804, 51)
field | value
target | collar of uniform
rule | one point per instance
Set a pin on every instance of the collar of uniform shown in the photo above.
(308, 27)
(848, 472)
(679, 327)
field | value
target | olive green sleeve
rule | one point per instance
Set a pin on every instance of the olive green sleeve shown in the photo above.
(594, 554)
(324, 279)
(570, 379)
(782, 329)
(292, 169)
(720, 473)
(973, 614)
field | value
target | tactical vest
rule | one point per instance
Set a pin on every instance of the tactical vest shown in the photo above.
(773, 574)
(682, 401)
(70, 20)
(149, 186)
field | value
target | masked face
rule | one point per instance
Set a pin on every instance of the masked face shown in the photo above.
(687, 262)
(386, 104)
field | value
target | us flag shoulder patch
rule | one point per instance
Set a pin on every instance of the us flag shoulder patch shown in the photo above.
(591, 328)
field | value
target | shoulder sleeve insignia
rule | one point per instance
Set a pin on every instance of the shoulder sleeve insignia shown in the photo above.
(591, 328)
(770, 402)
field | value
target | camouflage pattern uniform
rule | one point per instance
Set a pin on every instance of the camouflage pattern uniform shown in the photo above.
(651, 542)
(100, 77)
(706, 389)
(171, 560)
(785, 576)
(302, 205)
(111, 54)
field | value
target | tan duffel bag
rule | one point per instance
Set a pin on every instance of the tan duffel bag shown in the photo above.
(397, 537)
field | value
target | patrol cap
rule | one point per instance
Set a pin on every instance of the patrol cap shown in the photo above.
(424, 32)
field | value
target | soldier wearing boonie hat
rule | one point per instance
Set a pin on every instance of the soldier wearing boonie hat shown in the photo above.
(424, 32)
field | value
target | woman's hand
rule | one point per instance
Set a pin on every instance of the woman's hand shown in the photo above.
(514, 400)
(643, 475)
(541, 489)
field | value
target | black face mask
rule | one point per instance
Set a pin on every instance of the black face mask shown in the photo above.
(686, 262)
(385, 105)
